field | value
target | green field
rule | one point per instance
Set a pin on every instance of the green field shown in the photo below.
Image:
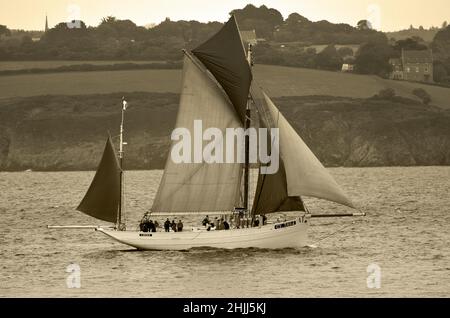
(276, 80)
(77, 83)
(21, 65)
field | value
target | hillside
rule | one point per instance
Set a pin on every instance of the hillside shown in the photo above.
(277, 80)
(426, 34)
(68, 132)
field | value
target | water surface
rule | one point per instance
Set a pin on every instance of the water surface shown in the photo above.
(406, 232)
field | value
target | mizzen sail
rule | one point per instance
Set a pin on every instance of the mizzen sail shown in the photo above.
(200, 187)
(103, 196)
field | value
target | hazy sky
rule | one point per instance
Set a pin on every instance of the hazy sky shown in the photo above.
(386, 15)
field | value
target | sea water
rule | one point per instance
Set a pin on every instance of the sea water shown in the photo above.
(401, 248)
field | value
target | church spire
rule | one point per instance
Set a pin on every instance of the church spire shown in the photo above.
(46, 23)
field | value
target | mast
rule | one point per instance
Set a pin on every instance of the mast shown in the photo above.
(247, 138)
(121, 143)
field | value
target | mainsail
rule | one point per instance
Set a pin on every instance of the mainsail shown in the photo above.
(103, 196)
(199, 187)
(219, 100)
(224, 56)
(304, 174)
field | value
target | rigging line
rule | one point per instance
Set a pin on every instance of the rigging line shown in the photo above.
(335, 232)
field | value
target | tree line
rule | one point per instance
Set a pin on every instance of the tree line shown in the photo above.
(287, 41)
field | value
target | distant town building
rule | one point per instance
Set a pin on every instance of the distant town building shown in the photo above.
(413, 65)
(249, 37)
(348, 67)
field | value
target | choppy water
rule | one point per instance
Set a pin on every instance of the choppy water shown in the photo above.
(406, 233)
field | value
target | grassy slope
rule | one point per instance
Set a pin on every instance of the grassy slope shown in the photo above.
(20, 65)
(68, 132)
(277, 80)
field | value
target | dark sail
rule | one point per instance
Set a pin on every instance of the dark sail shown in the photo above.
(271, 194)
(224, 56)
(102, 199)
(304, 174)
(271, 190)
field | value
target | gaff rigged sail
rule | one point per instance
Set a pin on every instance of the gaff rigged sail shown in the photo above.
(224, 56)
(200, 187)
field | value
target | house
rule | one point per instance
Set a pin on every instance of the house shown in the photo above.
(249, 37)
(348, 67)
(413, 65)
(397, 69)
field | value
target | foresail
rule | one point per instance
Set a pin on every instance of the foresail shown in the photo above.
(305, 175)
(271, 194)
(271, 189)
(103, 196)
(200, 187)
(224, 56)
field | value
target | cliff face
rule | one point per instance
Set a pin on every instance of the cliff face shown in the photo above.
(68, 132)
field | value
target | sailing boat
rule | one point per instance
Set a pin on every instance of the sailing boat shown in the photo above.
(218, 88)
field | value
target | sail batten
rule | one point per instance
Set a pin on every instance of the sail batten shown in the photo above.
(103, 196)
(200, 187)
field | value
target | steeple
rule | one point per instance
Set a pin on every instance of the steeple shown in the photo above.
(46, 23)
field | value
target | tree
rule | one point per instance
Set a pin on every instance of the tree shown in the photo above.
(373, 58)
(439, 72)
(444, 24)
(4, 30)
(263, 20)
(329, 59)
(345, 51)
(364, 25)
(422, 94)
(409, 44)
(441, 43)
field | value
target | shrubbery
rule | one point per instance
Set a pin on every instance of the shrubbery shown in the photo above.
(422, 94)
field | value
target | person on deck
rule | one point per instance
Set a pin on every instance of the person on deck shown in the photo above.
(205, 221)
(173, 226)
(216, 223)
(143, 225)
(151, 226)
(220, 227)
(167, 225)
(179, 226)
(226, 226)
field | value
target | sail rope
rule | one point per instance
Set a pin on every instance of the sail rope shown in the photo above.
(335, 232)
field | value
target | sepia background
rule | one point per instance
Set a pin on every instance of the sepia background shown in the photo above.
(365, 83)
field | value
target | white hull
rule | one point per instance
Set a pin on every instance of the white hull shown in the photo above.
(289, 234)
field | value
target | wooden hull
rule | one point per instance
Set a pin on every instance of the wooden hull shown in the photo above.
(288, 234)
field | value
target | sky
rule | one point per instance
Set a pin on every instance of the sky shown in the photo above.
(385, 15)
